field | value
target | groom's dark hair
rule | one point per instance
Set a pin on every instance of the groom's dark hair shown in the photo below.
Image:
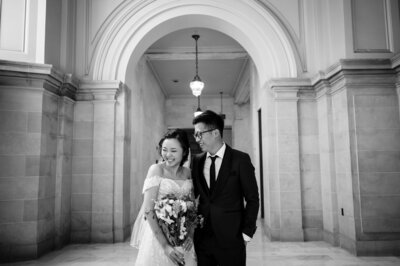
(211, 120)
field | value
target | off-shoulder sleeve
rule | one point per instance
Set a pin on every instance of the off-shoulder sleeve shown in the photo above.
(152, 181)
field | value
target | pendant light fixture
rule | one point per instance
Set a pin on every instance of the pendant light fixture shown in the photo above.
(196, 85)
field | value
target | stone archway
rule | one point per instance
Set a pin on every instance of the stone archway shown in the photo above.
(137, 26)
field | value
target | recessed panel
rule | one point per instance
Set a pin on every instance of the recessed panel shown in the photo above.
(377, 132)
(13, 23)
(370, 26)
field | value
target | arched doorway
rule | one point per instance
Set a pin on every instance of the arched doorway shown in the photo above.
(135, 27)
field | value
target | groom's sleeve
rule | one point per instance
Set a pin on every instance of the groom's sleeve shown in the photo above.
(250, 190)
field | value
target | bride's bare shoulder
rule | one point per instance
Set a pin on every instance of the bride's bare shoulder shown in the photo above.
(155, 170)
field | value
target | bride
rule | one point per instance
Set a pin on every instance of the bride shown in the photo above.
(168, 177)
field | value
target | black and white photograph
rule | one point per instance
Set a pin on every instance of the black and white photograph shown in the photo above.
(200, 132)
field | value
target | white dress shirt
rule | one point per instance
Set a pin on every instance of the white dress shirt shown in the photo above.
(218, 161)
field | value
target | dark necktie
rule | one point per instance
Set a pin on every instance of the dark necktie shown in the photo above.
(212, 172)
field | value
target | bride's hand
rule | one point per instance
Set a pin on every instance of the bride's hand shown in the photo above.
(188, 244)
(176, 256)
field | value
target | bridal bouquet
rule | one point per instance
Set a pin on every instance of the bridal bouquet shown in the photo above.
(177, 217)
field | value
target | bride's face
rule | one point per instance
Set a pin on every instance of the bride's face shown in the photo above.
(172, 152)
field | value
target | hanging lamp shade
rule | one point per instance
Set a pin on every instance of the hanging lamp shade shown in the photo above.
(196, 85)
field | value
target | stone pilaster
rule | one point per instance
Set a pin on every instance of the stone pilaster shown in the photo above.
(96, 187)
(285, 187)
(327, 164)
(63, 175)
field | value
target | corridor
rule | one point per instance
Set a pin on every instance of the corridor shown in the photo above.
(309, 90)
(260, 252)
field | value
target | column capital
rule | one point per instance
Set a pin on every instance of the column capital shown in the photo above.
(99, 90)
(289, 89)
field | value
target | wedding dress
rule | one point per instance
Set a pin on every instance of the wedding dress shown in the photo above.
(150, 251)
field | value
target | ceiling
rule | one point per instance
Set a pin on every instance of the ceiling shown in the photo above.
(222, 62)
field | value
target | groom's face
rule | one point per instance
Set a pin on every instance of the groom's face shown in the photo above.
(204, 137)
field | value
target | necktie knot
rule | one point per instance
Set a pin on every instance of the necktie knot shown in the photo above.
(213, 158)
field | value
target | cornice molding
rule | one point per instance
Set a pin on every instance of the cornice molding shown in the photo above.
(205, 96)
(347, 73)
(23, 67)
(69, 86)
(37, 76)
(396, 67)
(189, 56)
(33, 76)
(396, 61)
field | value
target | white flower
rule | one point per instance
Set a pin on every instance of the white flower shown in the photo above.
(168, 209)
(182, 232)
(184, 206)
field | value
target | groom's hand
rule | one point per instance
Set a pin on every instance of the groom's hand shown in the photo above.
(188, 244)
(246, 239)
(176, 256)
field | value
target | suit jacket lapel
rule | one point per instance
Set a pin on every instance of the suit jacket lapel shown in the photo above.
(223, 174)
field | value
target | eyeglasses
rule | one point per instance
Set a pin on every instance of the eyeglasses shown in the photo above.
(199, 134)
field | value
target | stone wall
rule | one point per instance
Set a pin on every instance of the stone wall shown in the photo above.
(359, 129)
(341, 129)
(36, 132)
(146, 126)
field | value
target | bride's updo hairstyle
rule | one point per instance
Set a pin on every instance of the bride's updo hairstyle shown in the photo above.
(182, 137)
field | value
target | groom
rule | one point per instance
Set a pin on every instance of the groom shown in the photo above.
(223, 178)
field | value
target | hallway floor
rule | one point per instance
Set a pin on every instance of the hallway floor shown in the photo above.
(261, 251)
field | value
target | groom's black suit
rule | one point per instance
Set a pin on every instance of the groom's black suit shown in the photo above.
(226, 215)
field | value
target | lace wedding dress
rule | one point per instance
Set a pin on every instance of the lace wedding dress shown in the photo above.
(150, 251)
